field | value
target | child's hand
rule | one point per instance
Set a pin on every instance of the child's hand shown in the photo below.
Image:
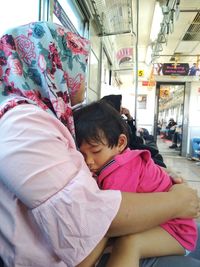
(178, 180)
(175, 178)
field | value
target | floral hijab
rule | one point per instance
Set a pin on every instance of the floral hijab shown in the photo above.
(42, 64)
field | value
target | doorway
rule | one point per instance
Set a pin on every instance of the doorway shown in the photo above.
(170, 98)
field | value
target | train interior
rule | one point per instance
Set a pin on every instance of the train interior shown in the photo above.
(147, 51)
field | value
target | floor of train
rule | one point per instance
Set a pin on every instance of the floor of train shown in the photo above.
(186, 168)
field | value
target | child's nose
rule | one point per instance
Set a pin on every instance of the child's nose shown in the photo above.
(89, 161)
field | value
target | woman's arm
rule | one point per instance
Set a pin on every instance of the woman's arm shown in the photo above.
(139, 212)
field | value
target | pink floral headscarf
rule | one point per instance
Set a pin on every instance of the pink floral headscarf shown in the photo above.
(42, 64)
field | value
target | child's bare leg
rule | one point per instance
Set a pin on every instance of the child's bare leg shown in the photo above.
(128, 250)
(94, 255)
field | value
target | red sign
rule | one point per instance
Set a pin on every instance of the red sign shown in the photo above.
(148, 83)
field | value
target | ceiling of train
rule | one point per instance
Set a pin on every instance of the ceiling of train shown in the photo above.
(178, 39)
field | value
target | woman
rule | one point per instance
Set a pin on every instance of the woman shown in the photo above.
(52, 214)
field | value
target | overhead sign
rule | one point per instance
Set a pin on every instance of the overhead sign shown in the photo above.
(181, 69)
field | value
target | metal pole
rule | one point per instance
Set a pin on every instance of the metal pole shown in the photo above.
(136, 59)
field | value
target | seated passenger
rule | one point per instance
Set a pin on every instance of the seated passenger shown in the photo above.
(159, 127)
(148, 138)
(177, 138)
(168, 132)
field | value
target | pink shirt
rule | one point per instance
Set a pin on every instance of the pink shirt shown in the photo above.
(52, 213)
(135, 171)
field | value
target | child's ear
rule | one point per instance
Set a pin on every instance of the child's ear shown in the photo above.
(122, 142)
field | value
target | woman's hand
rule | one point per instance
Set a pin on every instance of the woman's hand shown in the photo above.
(188, 202)
(189, 196)
(126, 112)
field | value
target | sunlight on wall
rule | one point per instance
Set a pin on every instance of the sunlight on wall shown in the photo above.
(15, 13)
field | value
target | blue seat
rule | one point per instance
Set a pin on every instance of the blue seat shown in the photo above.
(196, 148)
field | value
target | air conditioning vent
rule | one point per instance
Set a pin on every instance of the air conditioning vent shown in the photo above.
(116, 15)
(193, 32)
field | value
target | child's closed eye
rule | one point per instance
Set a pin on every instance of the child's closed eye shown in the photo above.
(97, 151)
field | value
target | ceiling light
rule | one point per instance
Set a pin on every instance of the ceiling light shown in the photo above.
(148, 55)
(157, 19)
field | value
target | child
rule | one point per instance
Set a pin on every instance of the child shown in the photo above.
(102, 137)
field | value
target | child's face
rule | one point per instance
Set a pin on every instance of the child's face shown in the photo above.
(98, 154)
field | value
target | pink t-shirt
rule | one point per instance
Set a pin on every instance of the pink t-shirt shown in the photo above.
(52, 211)
(135, 171)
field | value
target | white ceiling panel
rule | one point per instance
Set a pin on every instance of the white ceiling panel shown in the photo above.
(186, 47)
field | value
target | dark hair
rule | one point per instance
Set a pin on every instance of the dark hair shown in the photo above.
(98, 120)
(113, 100)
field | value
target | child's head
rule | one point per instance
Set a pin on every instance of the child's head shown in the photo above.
(101, 133)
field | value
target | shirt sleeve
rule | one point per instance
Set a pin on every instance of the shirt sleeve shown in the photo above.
(41, 166)
(152, 177)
